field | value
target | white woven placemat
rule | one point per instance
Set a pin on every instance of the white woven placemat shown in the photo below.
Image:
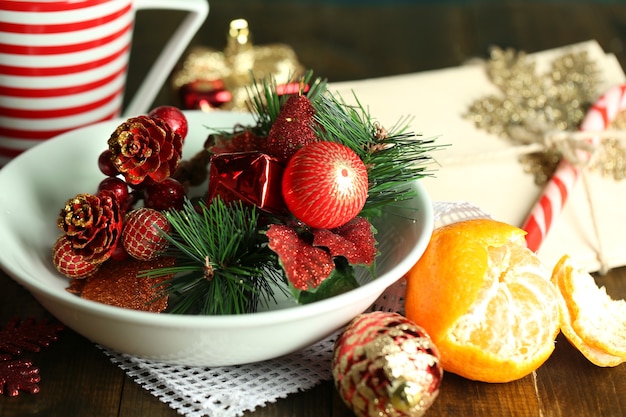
(229, 391)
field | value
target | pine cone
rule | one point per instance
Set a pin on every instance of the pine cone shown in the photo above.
(144, 148)
(92, 224)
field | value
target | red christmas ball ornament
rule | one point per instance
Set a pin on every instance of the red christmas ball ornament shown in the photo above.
(119, 188)
(174, 118)
(165, 195)
(325, 185)
(384, 365)
(142, 237)
(105, 164)
(70, 263)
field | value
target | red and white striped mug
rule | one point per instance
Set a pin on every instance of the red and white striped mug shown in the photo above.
(63, 64)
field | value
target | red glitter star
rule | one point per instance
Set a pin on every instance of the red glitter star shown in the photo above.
(28, 335)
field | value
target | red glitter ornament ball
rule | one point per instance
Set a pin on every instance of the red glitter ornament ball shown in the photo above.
(70, 263)
(384, 365)
(325, 185)
(174, 117)
(142, 237)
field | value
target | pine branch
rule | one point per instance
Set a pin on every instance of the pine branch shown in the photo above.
(394, 157)
(223, 265)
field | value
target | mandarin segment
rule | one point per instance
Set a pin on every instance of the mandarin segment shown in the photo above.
(486, 301)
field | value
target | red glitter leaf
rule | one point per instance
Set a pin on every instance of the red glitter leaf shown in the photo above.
(28, 335)
(17, 375)
(354, 240)
(305, 265)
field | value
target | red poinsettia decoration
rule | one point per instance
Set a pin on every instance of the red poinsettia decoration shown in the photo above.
(92, 224)
(354, 241)
(145, 148)
(309, 261)
(305, 265)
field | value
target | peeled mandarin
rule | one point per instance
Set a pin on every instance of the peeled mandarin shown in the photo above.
(485, 299)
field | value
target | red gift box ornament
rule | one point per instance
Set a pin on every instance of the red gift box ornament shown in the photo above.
(252, 177)
(210, 79)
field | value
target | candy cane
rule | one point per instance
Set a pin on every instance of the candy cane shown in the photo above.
(553, 198)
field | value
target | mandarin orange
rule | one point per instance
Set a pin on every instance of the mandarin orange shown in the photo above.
(485, 299)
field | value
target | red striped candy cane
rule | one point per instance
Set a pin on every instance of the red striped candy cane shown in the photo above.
(553, 198)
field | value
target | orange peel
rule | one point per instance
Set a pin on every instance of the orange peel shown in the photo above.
(591, 320)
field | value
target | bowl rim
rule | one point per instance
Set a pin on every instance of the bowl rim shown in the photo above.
(377, 285)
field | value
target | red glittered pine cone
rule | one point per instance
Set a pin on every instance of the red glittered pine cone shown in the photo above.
(92, 224)
(145, 148)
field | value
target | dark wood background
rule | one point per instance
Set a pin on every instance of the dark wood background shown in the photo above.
(347, 42)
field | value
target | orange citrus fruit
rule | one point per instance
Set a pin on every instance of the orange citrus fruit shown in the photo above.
(590, 319)
(485, 299)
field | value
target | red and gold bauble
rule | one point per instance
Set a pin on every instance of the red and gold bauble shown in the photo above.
(384, 365)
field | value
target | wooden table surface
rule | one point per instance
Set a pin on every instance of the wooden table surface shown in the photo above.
(345, 43)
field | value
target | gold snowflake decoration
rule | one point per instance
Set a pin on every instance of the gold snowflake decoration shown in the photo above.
(610, 157)
(532, 105)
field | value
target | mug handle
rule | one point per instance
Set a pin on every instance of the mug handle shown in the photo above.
(174, 48)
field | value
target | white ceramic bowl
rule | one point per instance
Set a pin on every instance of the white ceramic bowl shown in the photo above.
(34, 187)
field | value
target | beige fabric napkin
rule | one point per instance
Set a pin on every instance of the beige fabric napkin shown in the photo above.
(497, 184)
